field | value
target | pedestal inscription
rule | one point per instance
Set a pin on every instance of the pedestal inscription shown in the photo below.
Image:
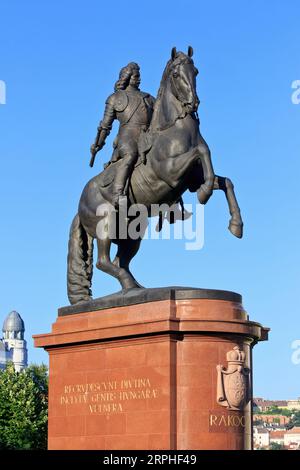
(110, 396)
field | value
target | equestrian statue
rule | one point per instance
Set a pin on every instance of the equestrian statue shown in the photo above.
(159, 153)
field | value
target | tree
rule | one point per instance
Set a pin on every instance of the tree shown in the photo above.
(258, 422)
(295, 420)
(23, 408)
(276, 446)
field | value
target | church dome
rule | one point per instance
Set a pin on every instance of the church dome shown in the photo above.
(13, 322)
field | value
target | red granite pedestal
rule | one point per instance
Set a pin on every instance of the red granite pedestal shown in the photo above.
(144, 376)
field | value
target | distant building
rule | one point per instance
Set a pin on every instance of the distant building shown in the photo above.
(293, 404)
(261, 437)
(259, 404)
(277, 437)
(13, 347)
(277, 420)
(292, 438)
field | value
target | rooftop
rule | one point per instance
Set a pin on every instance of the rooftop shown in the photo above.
(295, 430)
(262, 402)
(13, 322)
(277, 434)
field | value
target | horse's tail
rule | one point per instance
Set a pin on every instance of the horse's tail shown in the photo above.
(80, 263)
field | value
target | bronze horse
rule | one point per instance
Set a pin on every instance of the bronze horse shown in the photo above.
(178, 159)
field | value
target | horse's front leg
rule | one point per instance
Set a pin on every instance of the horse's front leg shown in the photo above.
(236, 222)
(206, 189)
(173, 169)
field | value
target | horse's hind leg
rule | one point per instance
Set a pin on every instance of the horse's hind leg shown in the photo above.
(236, 222)
(127, 249)
(104, 263)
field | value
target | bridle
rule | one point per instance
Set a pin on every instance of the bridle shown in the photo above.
(178, 96)
(177, 93)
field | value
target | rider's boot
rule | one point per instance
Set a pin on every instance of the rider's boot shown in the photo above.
(118, 196)
(121, 180)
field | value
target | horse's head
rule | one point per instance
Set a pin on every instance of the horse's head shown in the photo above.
(182, 75)
(177, 96)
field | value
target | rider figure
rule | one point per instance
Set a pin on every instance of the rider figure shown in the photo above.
(133, 109)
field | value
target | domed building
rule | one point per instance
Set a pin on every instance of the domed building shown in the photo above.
(13, 347)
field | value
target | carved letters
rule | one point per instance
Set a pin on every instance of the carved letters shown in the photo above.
(108, 396)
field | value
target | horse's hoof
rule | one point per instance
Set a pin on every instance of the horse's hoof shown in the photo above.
(236, 229)
(83, 300)
(128, 287)
(204, 194)
(132, 283)
(139, 286)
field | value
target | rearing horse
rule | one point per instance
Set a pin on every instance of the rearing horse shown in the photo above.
(178, 159)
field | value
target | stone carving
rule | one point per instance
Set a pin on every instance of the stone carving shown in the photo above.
(233, 387)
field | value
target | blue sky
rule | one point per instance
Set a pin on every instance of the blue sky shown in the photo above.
(59, 61)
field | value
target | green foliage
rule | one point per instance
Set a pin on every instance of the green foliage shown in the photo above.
(23, 408)
(295, 421)
(276, 446)
(258, 422)
(274, 410)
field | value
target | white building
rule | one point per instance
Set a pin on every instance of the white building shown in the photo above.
(293, 404)
(13, 347)
(261, 437)
(277, 436)
(292, 437)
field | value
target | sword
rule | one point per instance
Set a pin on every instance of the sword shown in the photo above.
(93, 156)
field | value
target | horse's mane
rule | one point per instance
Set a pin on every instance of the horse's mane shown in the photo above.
(156, 118)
